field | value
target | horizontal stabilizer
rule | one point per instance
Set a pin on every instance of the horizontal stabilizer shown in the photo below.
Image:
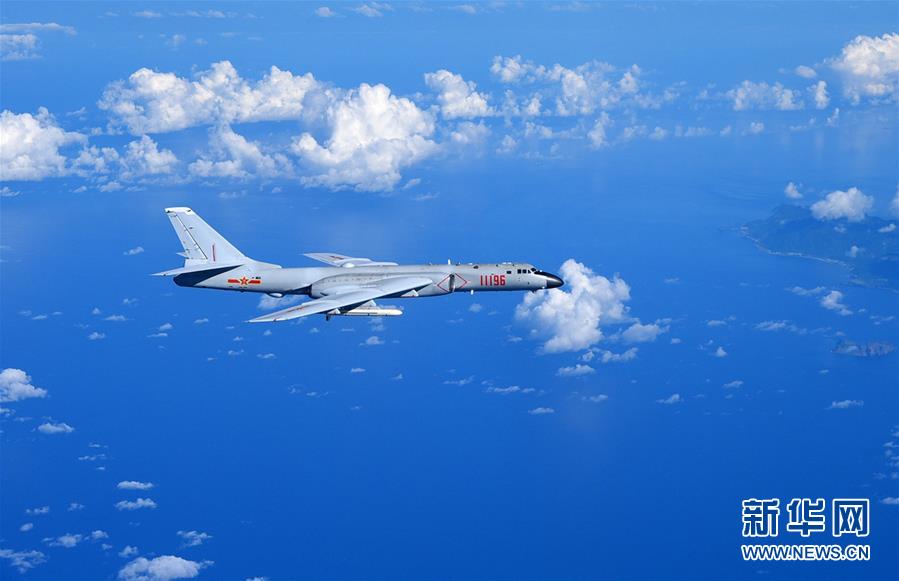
(198, 268)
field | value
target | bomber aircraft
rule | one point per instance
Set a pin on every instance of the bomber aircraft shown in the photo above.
(347, 286)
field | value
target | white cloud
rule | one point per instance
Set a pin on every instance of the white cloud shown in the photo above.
(143, 157)
(845, 404)
(98, 534)
(610, 357)
(805, 72)
(96, 336)
(19, 47)
(26, 527)
(459, 382)
(15, 385)
(792, 191)
(597, 135)
(373, 340)
(20, 41)
(67, 541)
(357, 370)
(58, 428)
(832, 301)
(134, 251)
(128, 551)
(163, 568)
(154, 102)
(756, 127)
(193, 538)
(468, 133)
(819, 95)
(372, 9)
(457, 97)
(579, 91)
(851, 204)
(30, 144)
(720, 352)
(134, 485)
(475, 307)
(325, 12)
(267, 303)
(749, 95)
(572, 319)
(541, 411)
(640, 333)
(22, 561)
(11, 28)
(373, 136)
(233, 156)
(135, 504)
(575, 371)
(733, 384)
(37, 510)
(869, 67)
(891, 500)
(671, 400)
(596, 398)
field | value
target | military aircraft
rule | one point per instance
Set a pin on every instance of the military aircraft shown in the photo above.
(347, 286)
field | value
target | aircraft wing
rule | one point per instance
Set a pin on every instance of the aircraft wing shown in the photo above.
(335, 259)
(349, 297)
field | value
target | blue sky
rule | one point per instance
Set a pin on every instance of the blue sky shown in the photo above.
(609, 429)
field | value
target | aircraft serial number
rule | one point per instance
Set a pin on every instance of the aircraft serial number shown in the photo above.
(493, 280)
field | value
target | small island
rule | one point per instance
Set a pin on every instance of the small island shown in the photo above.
(869, 248)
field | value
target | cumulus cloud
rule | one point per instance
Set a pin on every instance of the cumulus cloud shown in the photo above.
(67, 540)
(193, 538)
(845, 404)
(233, 156)
(155, 102)
(19, 47)
(55, 428)
(541, 411)
(575, 371)
(22, 561)
(134, 485)
(571, 319)
(792, 191)
(597, 134)
(20, 41)
(671, 400)
(456, 96)
(135, 504)
(163, 568)
(640, 333)
(819, 95)
(15, 385)
(374, 135)
(852, 205)
(749, 95)
(806, 72)
(30, 146)
(869, 67)
(581, 90)
(833, 301)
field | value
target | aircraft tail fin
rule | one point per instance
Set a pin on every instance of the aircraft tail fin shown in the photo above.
(202, 244)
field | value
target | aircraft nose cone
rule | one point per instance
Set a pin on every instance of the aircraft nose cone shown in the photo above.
(553, 281)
